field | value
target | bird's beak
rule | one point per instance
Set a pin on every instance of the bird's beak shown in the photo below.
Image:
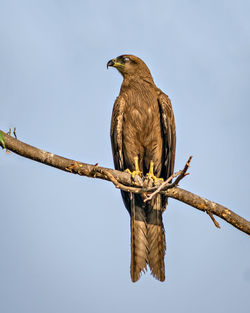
(111, 63)
(115, 63)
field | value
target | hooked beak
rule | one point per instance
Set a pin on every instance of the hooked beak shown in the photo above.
(111, 63)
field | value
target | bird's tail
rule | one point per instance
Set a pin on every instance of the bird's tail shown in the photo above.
(147, 238)
(156, 239)
(139, 242)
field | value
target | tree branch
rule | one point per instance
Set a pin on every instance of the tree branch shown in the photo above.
(122, 180)
(167, 184)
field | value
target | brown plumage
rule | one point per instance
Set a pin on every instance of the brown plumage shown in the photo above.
(143, 126)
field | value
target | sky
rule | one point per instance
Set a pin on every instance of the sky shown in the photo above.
(64, 239)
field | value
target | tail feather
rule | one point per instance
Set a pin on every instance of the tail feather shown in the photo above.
(139, 249)
(147, 239)
(157, 248)
(156, 240)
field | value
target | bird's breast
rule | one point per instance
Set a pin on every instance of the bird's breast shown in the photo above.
(142, 112)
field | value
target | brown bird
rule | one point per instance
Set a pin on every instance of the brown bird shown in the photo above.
(143, 141)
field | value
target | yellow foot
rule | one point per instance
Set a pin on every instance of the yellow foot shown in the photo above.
(136, 171)
(150, 174)
(133, 173)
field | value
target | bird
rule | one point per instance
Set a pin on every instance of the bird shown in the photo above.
(143, 140)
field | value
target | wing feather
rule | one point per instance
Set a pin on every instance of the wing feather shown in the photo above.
(116, 133)
(169, 135)
(169, 138)
(133, 203)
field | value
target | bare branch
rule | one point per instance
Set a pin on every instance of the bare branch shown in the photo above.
(162, 186)
(122, 180)
(166, 184)
(213, 219)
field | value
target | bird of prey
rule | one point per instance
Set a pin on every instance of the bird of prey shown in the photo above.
(143, 142)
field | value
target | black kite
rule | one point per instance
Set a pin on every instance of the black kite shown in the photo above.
(143, 141)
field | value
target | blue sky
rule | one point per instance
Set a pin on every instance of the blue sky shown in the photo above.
(64, 240)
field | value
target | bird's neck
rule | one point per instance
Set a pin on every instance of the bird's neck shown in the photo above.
(135, 82)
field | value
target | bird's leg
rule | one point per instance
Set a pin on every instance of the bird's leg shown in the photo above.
(137, 169)
(150, 173)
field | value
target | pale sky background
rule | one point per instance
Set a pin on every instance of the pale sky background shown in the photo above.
(64, 239)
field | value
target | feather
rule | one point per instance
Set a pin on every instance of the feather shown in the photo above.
(139, 243)
(156, 240)
(143, 126)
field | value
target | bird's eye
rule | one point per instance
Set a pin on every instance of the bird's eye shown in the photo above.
(126, 59)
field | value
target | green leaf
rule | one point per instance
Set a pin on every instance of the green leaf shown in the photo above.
(2, 140)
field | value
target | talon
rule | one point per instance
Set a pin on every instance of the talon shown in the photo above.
(150, 174)
(137, 169)
(133, 173)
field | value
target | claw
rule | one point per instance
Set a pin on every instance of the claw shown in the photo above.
(137, 169)
(133, 173)
(150, 174)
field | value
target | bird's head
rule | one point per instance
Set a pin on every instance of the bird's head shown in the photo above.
(130, 65)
